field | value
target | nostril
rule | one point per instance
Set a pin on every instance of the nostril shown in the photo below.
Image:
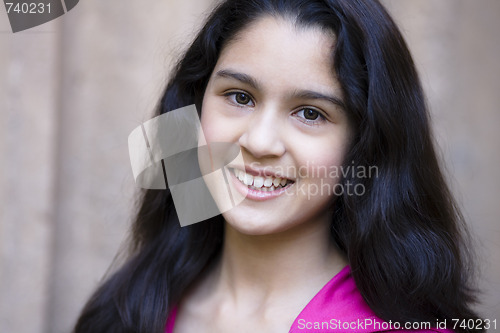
(262, 142)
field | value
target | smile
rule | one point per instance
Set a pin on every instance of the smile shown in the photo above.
(261, 183)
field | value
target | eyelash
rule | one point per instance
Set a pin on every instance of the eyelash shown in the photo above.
(321, 118)
(231, 95)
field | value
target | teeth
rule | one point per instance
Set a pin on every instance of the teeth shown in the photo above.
(248, 179)
(258, 181)
(276, 181)
(268, 182)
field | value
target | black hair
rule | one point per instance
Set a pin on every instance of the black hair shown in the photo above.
(405, 239)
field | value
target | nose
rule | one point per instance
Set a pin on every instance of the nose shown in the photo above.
(262, 135)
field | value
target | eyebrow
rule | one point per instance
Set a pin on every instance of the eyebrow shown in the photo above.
(244, 78)
(309, 94)
(299, 94)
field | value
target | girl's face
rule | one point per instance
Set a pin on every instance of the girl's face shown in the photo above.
(273, 93)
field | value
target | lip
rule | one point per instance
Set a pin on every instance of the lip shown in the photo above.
(254, 194)
(264, 172)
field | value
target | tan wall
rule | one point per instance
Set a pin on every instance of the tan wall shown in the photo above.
(73, 89)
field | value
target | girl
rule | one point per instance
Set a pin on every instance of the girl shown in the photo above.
(347, 223)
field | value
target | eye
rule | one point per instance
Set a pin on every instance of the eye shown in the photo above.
(310, 116)
(240, 98)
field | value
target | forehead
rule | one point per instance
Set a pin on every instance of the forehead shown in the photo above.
(277, 51)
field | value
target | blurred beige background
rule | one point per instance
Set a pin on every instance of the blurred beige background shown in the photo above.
(73, 89)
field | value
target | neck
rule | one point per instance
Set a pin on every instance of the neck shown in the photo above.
(265, 268)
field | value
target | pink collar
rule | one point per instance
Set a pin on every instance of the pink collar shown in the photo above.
(337, 307)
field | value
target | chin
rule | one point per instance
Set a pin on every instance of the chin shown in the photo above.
(253, 226)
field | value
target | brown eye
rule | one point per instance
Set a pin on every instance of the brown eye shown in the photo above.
(242, 98)
(311, 114)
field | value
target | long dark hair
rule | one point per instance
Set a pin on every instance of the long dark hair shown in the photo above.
(404, 238)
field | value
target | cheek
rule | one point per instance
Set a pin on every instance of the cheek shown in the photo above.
(216, 124)
(211, 123)
(323, 161)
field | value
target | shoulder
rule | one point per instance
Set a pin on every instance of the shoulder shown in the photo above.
(339, 307)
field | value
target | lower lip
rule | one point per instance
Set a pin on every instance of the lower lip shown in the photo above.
(256, 194)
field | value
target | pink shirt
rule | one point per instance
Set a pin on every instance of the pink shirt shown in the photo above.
(337, 307)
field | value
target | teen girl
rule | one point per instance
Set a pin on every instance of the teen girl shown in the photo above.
(300, 86)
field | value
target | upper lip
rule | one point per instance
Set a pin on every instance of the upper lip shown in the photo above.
(263, 172)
